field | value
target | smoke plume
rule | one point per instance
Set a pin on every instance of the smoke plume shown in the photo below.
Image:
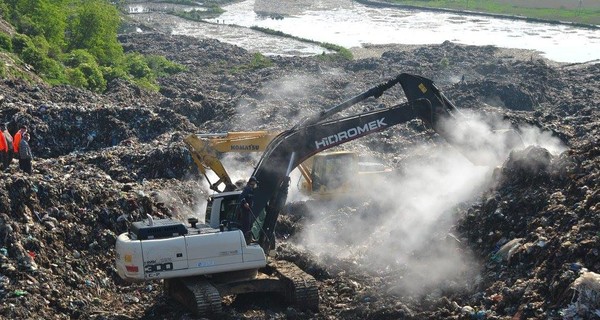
(401, 222)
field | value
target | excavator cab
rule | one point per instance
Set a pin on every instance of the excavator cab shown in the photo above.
(337, 174)
(222, 207)
(334, 173)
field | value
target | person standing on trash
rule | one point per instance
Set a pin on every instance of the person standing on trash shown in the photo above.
(3, 149)
(246, 202)
(9, 144)
(17, 139)
(25, 155)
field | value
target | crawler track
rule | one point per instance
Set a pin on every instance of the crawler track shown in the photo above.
(203, 298)
(300, 288)
(197, 294)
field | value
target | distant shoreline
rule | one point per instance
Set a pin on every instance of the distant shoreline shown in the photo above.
(385, 4)
(554, 4)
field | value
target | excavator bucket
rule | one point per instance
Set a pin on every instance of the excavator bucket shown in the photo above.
(417, 87)
(478, 142)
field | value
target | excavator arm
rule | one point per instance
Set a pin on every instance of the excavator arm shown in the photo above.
(205, 150)
(292, 147)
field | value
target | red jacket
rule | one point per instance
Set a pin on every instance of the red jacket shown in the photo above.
(3, 145)
(16, 141)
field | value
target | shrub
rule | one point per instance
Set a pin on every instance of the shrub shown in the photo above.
(32, 56)
(147, 84)
(52, 71)
(94, 77)
(77, 57)
(341, 52)
(111, 73)
(136, 65)
(41, 44)
(20, 42)
(76, 77)
(444, 63)
(47, 68)
(163, 67)
(259, 61)
(5, 42)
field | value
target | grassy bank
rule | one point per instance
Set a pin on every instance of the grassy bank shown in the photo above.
(211, 11)
(536, 9)
(340, 52)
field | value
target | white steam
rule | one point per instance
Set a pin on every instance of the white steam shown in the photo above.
(283, 103)
(486, 141)
(239, 166)
(403, 221)
(400, 223)
(178, 207)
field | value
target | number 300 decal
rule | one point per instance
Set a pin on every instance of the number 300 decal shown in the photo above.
(158, 267)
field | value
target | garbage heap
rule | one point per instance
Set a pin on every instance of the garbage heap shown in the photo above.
(103, 159)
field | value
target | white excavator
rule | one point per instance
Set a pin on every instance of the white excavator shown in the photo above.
(200, 262)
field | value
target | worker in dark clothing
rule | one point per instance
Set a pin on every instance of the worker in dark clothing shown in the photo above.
(9, 144)
(246, 202)
(17, 139)
(25, 155)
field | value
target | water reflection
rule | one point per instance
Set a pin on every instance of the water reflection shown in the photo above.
(349, 24)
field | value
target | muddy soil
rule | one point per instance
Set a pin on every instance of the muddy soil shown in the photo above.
(532, 235)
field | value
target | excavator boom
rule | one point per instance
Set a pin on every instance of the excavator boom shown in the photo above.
(292, 147)
(205, 149)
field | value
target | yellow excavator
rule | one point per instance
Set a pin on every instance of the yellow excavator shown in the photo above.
(324, 175)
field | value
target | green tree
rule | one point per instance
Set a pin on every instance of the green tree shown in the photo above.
(94, 77)
(76, 77)
(76, 57)
(93, 27)
(51, 18)
(4, 10)
(75, 41)
(40, 17)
